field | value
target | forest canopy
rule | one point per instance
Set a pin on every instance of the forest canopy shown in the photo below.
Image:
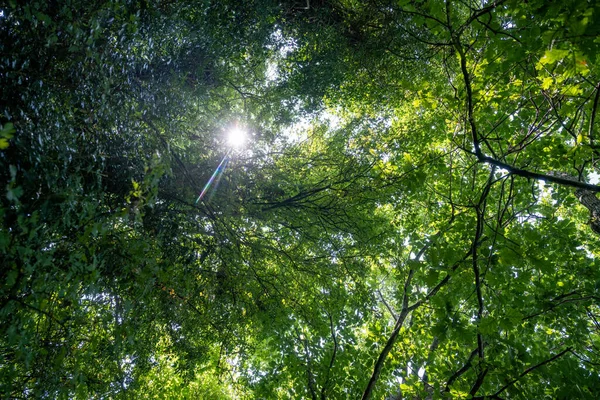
(412, 213)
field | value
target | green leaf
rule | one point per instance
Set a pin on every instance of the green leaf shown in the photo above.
(13, 193)
(7, 130)
(552, 56)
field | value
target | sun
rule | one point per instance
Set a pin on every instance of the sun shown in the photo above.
(236, 137)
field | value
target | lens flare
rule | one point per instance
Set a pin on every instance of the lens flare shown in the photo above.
(236, 137)
(218, 172)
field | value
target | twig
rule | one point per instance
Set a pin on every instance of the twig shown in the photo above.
(389, 308)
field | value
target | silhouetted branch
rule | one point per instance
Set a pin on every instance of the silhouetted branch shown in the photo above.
(461, 371)
(522, 374)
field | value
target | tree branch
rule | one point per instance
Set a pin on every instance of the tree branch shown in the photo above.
(480, 209)
(39, 310)
(593, 115)
(391, 340)
(522, 374)
(389, 308)
(170, 150)
(542, 177)
(479, 381)
(461, 371)
(443, 282)
(406, 310)
(382, 356)
(564, 301)
(309, 373)
(477, 142)
(333, 355)
(479, 13)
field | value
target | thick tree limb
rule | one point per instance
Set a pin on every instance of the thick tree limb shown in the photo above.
(534, 175)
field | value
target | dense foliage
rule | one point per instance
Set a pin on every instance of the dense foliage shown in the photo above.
(412, 216)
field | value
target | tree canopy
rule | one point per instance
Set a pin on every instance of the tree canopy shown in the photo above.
(413, 214)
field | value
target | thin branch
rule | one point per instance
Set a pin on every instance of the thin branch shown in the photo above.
(489, 160)
(432, 348)
(333, 355)
(480, 378)
(389, 308)
(34, 308)
(444, 281)
(480, 209)
(309, 373)
(528, 370)
(406, 310)
(426, 16)
(387, 348)
(479, 13)
(583, 359)
(564, 301)
(392, 339)
(461, 371)
(497, 31)
(593, 115)
(170, 150)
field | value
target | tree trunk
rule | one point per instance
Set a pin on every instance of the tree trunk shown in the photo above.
(592, 203)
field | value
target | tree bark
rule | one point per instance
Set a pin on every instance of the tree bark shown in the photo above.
(588, 199)
(592, 203)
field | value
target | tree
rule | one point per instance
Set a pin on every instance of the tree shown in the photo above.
(413, 218)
